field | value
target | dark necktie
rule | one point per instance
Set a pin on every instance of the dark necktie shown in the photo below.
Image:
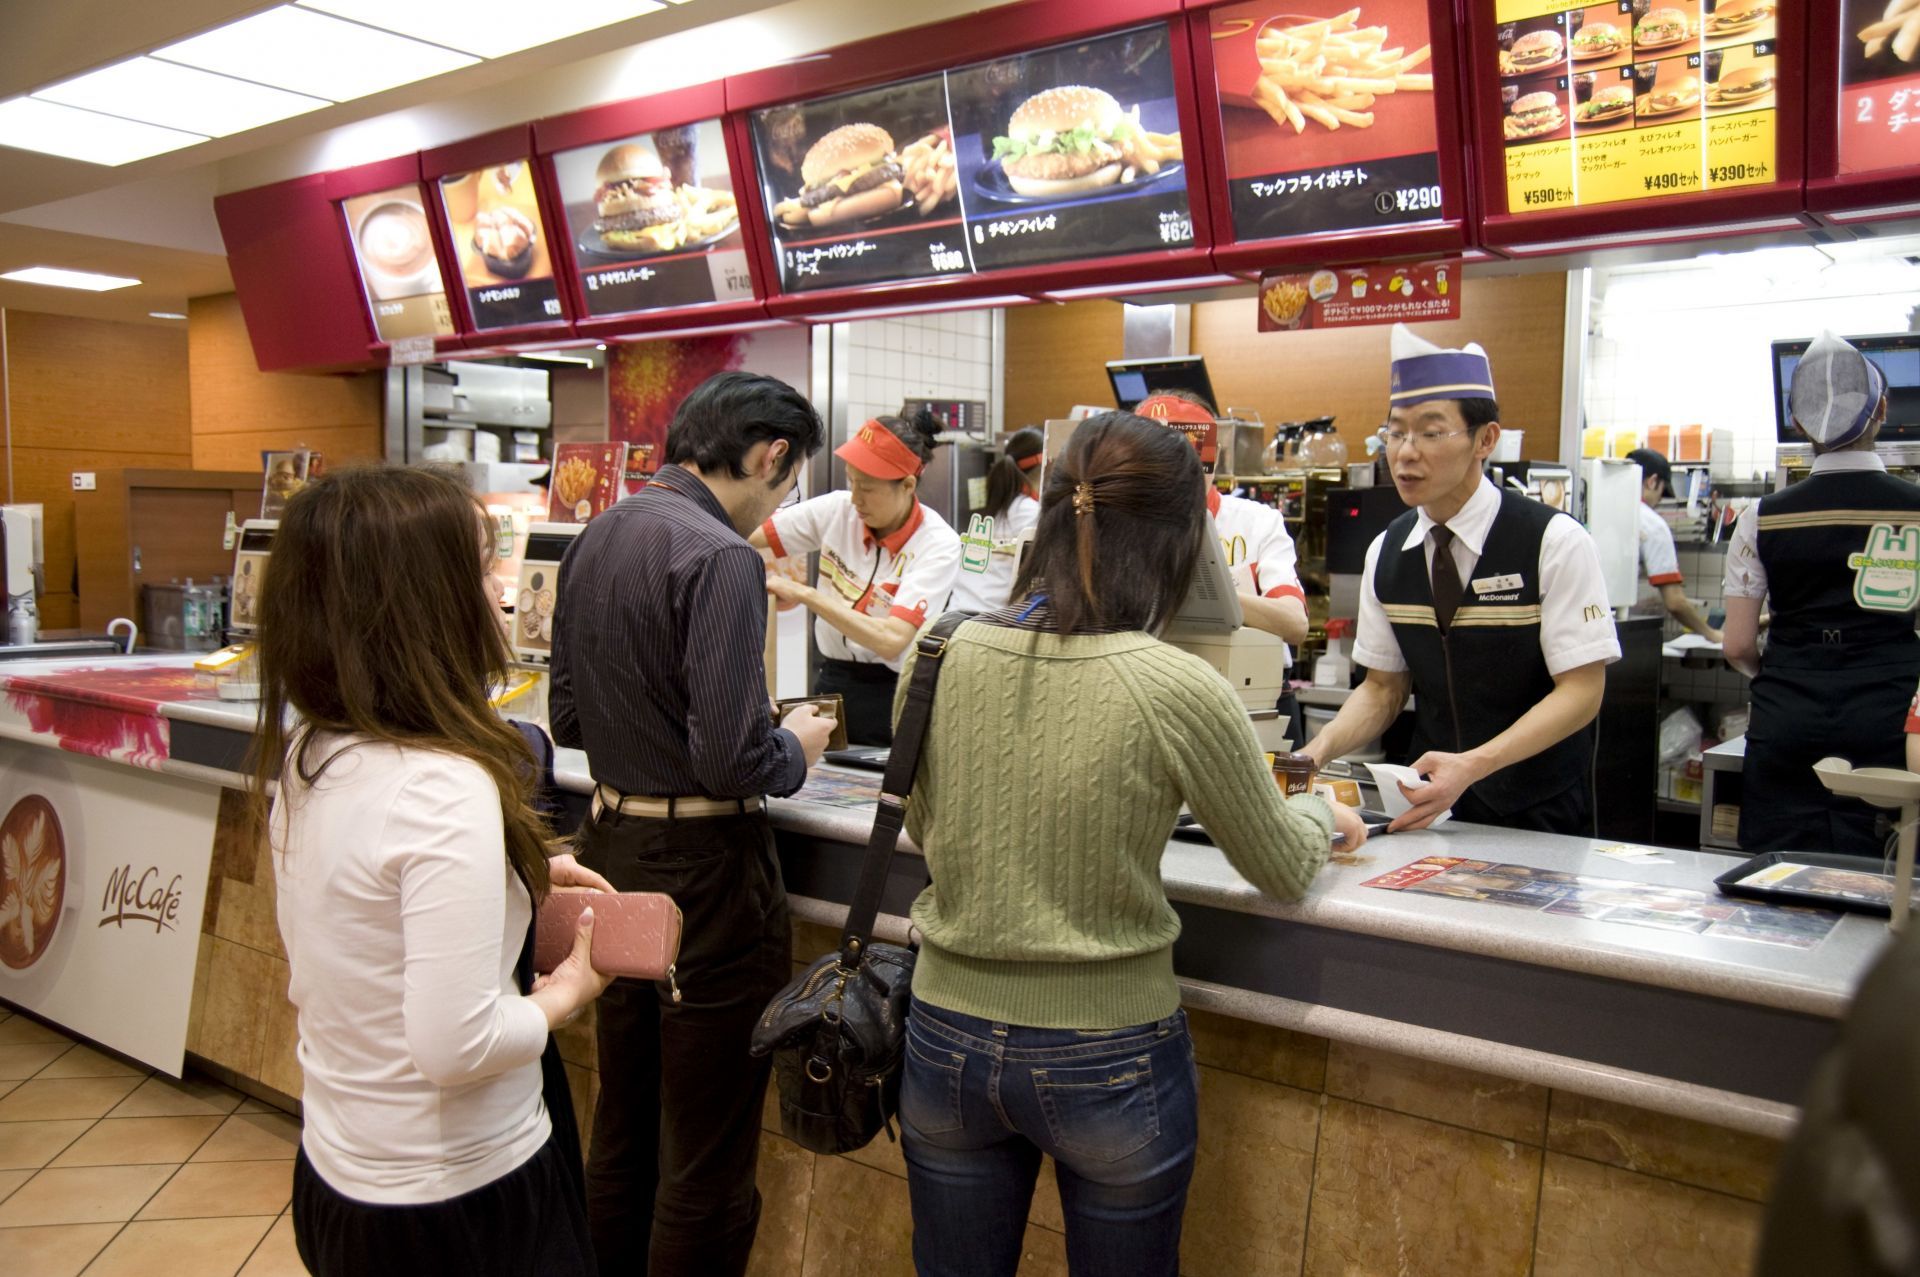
(1446, 577)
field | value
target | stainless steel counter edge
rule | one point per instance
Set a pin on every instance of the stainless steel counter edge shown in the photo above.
(1621, 1086)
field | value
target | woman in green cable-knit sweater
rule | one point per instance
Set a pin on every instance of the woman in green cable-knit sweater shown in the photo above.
(1064, 739)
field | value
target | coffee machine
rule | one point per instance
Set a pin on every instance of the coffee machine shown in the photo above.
(23, 552)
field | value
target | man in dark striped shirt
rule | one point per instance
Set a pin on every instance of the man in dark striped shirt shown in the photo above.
(658, 673)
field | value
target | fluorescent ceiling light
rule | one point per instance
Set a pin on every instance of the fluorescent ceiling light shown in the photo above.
(54, 277)
(165, 314)
(489, 28)
(179, 97)
(31, 125)
(306, 52)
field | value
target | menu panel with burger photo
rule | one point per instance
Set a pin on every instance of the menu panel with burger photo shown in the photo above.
(1536, 109)
(1071, 152)
(1664, 28)
(1738, 22)
(1603, 100)
(504, 258)
(653, 220)
(1329, 117)
(1600, 36)
(398, 266)
(1879, 84)
(862, 188)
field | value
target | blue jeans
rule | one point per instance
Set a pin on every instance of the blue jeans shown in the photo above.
(1115, 1108)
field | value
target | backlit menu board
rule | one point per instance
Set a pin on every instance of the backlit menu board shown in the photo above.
(1066, 153)
(398, 266)
(1635, 99)
(1879, 85)
(653, 221)
(1328, 116)
(506, 262)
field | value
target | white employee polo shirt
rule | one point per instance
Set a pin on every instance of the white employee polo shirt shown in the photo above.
(908, 575)
(1260, 555)
(987, 552)
(1746, 578)
(1659, 562)
(1576, 625)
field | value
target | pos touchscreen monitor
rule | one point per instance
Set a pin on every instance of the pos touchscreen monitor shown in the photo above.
(1896, 354)
(1137, 379)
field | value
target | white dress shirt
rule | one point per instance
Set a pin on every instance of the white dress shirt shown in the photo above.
(1572, 632)
(403, 925)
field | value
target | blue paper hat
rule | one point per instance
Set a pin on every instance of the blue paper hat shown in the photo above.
(1423, 371)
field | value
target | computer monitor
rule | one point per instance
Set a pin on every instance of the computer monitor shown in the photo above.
(1136, 379)
(1896, 354)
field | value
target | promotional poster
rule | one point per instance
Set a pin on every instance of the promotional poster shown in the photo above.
(398, 265)
(506, 262)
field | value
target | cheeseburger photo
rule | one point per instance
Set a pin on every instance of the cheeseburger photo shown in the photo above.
(1534, 115)
(634, 197)
(1536, 49)
(1748, 84)
(850, 174)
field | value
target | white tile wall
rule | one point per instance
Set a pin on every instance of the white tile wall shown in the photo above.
(1692, 342)
(946, 356)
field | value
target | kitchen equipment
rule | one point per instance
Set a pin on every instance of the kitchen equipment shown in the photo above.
(22, 553)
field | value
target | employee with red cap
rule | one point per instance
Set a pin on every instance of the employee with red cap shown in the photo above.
(887, 563)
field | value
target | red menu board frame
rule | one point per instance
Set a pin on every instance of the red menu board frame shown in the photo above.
(400, 171)
(617, 120)
(903, 55)
(1779, 205)
(504, 146)
(1874, 195)
(1448, 235)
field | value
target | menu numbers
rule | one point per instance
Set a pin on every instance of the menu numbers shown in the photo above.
(1663, 182)
(1547, 195)
(945, 259)
(1418, 199)
(551, 306)
(1739, 173)
(629, 275)
(1176, 228)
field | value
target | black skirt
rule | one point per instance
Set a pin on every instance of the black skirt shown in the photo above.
(530, 1222)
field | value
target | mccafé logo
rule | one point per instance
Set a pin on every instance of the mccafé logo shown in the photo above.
(142, 899)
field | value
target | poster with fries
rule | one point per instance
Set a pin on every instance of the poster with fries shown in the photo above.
(1328, 116)
(587, 479)
(653, 222)
(1635, 99)
(1880, 85)
(1352, 297)
(1065, 153)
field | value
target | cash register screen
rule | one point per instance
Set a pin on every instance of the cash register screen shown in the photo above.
(1897, 355)
(1136, 379)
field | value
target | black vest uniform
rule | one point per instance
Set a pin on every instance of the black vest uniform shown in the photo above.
(1476, 680)
(1836, 677)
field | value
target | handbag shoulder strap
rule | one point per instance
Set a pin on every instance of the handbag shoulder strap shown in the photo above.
(903, 762)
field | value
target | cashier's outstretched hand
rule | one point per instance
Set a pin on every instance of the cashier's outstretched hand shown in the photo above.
(1448, 776)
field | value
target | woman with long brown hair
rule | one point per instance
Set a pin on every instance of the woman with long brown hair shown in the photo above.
(408, 858)
(1045, 1016)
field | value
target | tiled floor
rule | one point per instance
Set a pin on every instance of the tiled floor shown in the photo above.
(111, 1170)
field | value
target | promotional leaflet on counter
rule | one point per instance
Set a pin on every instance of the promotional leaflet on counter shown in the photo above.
(1635, 99)
(1062, 154)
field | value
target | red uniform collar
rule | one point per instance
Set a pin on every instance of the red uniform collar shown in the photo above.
(1213, 500)
(897, 540)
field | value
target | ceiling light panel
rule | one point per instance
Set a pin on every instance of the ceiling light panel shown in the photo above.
(307, 52)
(32, 125)
(179, 97)
(488, 28)
(54, 277)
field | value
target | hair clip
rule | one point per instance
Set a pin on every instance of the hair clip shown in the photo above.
(1083, 497)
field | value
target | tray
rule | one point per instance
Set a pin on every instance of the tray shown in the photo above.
(1811, 880)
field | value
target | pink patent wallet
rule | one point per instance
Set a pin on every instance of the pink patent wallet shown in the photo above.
(636, 934)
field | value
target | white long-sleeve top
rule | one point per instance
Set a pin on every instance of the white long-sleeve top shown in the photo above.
(403, 923)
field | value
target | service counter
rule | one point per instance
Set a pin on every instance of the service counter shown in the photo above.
(1385, 1072)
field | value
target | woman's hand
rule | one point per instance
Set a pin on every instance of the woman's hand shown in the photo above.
(564, 871)
(1348, 827)
(562, 992)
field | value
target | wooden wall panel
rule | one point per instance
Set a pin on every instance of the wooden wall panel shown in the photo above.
(237, 410)
(1519, 319)
(93, 395)
(1056, 358)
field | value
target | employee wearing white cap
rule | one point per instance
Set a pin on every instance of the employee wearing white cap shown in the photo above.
(887, 563)
(1487, 606)
(1839, 555)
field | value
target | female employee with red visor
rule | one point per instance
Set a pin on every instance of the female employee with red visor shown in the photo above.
(887, 563)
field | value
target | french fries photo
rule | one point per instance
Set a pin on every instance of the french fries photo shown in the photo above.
(1284, 301)
(1333, 70)
(931, 174)
(1898, 28)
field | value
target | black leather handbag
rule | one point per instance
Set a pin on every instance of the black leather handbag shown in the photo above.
(837, 1032)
